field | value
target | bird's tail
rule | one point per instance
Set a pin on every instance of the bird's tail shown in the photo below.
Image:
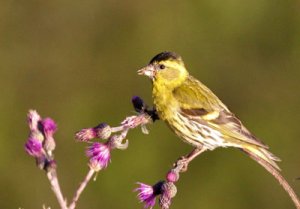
(264, 154)
(268, 161)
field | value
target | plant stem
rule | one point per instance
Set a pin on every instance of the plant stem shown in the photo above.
(81, 187)
(52, 176)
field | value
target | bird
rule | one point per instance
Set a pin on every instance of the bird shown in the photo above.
(198, 117)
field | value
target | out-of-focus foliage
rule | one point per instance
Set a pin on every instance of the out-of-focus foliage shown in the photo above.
(76, 61)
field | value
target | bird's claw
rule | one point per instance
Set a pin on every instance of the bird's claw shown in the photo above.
(182, 164)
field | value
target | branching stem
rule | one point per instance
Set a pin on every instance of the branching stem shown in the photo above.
(52, 176)
(81, 187)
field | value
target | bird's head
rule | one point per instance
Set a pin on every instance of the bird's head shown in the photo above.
(166, 68)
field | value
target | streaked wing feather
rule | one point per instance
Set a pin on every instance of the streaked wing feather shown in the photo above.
(229, 125)
(233, 127)
(199, 103)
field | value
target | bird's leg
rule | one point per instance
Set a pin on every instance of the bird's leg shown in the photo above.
(183, 162)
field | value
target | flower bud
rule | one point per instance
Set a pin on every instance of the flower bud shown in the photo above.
(169, 191)
(33, 119)
(138, 104)
(172, 176)
(103, 131)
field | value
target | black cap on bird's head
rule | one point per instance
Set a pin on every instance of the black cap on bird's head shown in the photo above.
(167, 65)
(165, 56)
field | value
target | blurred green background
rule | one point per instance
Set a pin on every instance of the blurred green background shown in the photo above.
(76, 62)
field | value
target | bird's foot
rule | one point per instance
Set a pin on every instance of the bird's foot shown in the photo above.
(182, 164)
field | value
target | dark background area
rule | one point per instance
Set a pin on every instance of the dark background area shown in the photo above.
(76, 62)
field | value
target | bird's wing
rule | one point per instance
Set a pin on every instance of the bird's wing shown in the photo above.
(198, 103)
(192, 94)
(231, 126)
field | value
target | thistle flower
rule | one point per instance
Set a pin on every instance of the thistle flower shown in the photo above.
(49, 127)
(147, 194)
(86, 134)
(102, 131)
(99, 155)
(40, 143)
(34, 147)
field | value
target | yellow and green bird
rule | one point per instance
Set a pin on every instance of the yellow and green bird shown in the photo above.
(199, 117)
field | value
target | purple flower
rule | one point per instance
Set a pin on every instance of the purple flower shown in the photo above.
(102, 131)
(99, 155)
(172, 176)
(34, 147)
(147, 194)
(49, 126)
(86, 134)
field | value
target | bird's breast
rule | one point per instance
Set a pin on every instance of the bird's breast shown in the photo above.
(165, 103)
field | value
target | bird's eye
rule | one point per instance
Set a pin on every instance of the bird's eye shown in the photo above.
(162, 67)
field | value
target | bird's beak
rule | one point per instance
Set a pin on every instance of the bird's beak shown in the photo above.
(149, 71)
